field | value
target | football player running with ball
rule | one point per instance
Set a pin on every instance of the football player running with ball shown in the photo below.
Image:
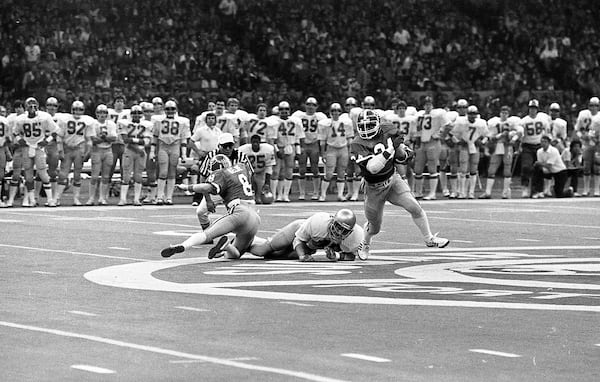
(375, 154)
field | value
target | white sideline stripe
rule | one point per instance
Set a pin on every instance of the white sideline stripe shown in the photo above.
(43, 272)
(486, 249)
(93, 369)
(532, 240)
(10, 221)
(365, 357)
(517, 223)
(120, 248)
(493, 352)
(70, 252)
(174, 353)
(294, 303)
(81, 313)
(192, 309)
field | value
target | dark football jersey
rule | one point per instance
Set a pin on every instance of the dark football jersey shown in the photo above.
(361, 149)
(232, 183)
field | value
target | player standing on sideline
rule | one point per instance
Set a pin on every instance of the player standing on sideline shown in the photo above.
(588, 121)
(151, 167)
(309, 150)
(52, 148)
(301, 239)
(450, 151)
(375, 154)
(430, 123)
(235, 122)
(468, 133)
(4, 153)
(262, 157)
(75, 132)
(503, 134)
(407, 128)
(335, 135)
(232, 183)
(290, 136)
(33, 130)
(261, 125)
(104, 132)
(171, 133)
(535, 124)
(118, 147)
(352, 172)
(136, 134)
(19, 152)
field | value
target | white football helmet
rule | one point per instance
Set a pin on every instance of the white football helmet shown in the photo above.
(31, 105)
(77, 108)
(218, 162)
(170, 108)
(368, 124)
(341, 224)
(101, 111)
(136, 113)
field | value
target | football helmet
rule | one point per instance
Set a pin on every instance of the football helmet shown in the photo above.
(368, 124)
(284, 109)
(136, 113)
(101, 111)
(51, 102)
(170, 108)
(267, 197)
(31, 105)
(341, 225)
(77, 108)
(351, 101)
(218, 162)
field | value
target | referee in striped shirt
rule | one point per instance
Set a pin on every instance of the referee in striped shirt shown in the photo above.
(203, 201)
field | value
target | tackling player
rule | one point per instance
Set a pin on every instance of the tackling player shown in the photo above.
(301, 239)
(375, 154)
(232, 183)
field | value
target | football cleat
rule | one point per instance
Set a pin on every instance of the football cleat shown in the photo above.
(170, 251)
(219, 249)
(485, 196)
(435, 241)
(363, 250)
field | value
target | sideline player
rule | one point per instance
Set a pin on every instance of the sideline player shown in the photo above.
(375, 155)
(300, 239)
(262, 158)
(232, 183)
(104, 132)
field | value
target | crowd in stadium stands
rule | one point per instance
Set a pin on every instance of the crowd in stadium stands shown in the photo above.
(491, 54)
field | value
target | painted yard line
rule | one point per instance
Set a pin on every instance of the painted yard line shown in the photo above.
(43, 272)
(517, 223)
(294, 303)
(70, 252)
(591, 238)
(81, 313)
(120, 248)
(10, 221)
(533, 240)
(173, 216)
(462, 241)
(365, 357)
(493, 352)
(199, 361)
(193, 309)
(174, 353)
(486, 249)
(597, 345)
(93, 369)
